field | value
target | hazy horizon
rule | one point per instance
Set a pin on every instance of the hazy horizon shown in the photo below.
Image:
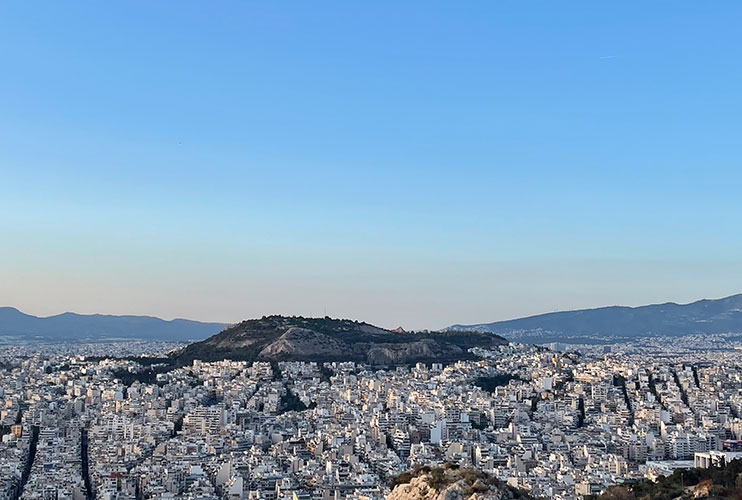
(400, 164)
(311, 314)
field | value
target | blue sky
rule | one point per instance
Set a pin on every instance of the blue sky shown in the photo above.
(405, 163)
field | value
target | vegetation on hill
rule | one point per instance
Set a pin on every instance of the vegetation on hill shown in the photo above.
(328, 339)
(290, 402)
(147, 376)
(489, 383)
(724, 482)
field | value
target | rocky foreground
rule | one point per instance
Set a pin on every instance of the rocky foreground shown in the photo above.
(452, 483)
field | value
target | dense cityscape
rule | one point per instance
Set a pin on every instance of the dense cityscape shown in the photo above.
(112, 421)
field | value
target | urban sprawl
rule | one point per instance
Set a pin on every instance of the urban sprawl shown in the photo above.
(95, 421)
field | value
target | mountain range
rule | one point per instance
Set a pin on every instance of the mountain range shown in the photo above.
(279, 334)
(95, 327)
(619, 322)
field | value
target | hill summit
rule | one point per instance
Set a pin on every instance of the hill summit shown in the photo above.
(282, 338)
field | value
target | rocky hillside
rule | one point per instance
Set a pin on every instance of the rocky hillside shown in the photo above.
(281, 338)
(451, 483)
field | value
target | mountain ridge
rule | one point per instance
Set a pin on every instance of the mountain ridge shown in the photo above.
(70, 326)
(704, 316)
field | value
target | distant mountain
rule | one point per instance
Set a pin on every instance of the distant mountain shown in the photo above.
(78, 327)
(704, 316)
(281, 338)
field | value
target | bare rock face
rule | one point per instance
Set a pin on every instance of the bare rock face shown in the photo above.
(419, 489)
(298, 342)
(400, 353)
(416, 489)
(453, 484)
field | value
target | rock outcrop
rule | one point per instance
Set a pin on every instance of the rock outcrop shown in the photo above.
(451, 483)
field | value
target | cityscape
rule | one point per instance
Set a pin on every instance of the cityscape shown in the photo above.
(101, 421)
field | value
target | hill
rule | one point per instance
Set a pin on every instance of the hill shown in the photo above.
(281, 338)
(96, 327)
(617, 322)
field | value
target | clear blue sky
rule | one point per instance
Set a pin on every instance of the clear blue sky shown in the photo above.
(404, 163)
